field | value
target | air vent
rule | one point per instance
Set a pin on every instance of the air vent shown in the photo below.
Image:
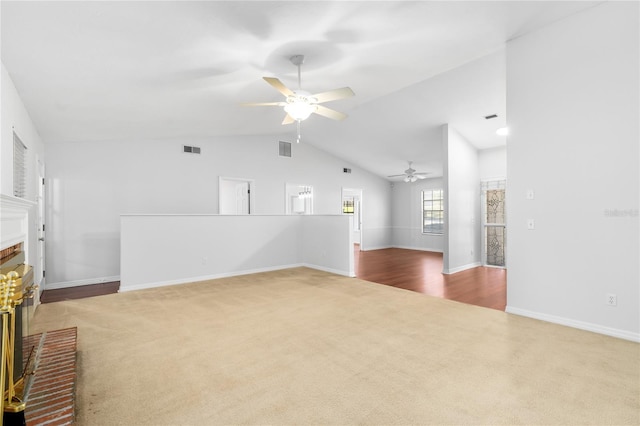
(489, 117)
(191, 149)
(285, 149)
(345, 170)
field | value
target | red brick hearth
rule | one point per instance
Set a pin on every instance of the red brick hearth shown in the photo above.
(51, 400)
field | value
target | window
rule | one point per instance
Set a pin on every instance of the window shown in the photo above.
(433, 211)
(347, 205)
(19, 168)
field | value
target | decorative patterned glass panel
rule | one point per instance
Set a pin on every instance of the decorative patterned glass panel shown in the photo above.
(495, 238)
(495, 205)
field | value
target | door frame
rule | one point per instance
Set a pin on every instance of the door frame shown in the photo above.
(251, 186)
(346, 191)
(41, 219)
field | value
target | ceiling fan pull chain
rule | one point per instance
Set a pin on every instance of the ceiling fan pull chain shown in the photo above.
(298, 140)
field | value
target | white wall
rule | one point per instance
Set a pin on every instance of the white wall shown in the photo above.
(94, 183)
(462, 203)
(14, 117)
(172, 249)
(573, 102)
(406, 201)
(326, 243)
(492, 163)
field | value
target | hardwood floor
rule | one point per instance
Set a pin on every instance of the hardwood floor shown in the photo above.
(79, 292)
(414, 270)
(421, 271)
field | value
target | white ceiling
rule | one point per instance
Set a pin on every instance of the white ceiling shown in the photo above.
(90, 71)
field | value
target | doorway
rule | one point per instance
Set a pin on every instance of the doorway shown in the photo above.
(352, 205)
(236, 196)
(298, 199)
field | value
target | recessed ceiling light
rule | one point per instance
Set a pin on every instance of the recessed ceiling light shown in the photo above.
(502, 131)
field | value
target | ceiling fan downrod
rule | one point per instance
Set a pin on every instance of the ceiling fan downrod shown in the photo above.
(298, 60)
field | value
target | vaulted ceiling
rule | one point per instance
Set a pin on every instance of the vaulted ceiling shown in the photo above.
(111, 70)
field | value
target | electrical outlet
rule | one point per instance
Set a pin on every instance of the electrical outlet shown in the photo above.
(612, 299)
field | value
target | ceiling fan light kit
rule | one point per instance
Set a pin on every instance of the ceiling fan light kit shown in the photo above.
(300, 104)
(298, 107)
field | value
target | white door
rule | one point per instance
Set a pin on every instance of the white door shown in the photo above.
(235, 196)
(243, 204)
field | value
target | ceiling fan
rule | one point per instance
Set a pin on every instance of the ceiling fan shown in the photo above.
(410, 175)
(300, 104)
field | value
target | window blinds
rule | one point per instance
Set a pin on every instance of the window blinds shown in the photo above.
(19, 168)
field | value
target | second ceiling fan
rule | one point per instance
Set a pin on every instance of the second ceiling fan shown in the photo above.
(410, 175)
(300, 104)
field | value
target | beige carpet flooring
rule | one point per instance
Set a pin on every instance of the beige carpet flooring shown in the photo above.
(304, 347)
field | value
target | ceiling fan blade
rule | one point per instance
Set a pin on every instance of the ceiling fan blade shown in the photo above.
(422, 173)
(264, 103)
(333, 95)
(277, 84)
(288, 119)
(329, 113)
(397, 175)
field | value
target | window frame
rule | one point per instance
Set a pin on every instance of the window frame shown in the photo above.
(435, 195)
(20, 168)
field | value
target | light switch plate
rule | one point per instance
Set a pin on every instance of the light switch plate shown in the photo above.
(531, 224)
(530, 194)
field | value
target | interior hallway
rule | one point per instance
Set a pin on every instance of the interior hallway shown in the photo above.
(421, 271)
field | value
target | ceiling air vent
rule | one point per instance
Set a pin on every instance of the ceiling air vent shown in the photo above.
(489, 117)
(345, 170)
(191, 149)
(285, 149)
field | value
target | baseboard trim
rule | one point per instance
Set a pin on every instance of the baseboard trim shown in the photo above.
(78, 283)
(462, 268)
(330, 270)
(595, 328)
(369, 248)
(125, 288)
(419, 249)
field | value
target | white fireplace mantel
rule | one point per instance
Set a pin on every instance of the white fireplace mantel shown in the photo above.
(14, 215)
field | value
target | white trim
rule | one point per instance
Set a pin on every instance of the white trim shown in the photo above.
(595, 328)
(203, 278)
(375, 248)
(462, 268)
(330, 270)
(78, 283)
(227, 275)
(11, 201)
(14, 221)
(419, 248)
